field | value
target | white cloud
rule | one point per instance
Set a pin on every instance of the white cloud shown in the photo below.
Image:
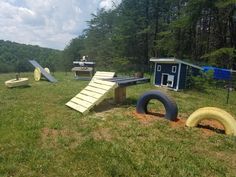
(109, 4)
(48, 23)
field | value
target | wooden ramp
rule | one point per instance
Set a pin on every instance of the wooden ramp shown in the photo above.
(93, 94)
(103, 75)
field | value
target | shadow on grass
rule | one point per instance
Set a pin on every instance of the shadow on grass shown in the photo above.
(109, 104)
(156, 114)
(129, 102)
(214, 129)
(20, 87)
(105, 105)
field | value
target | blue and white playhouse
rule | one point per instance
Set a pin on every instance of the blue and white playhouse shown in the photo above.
(174, 73)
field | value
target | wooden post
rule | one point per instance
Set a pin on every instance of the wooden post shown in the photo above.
(120, 94)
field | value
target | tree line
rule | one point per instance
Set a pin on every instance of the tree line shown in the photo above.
(14, 57)
(124, 38)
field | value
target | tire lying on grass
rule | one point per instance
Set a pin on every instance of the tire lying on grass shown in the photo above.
(169, 104)
(17, 82)
(216, 114)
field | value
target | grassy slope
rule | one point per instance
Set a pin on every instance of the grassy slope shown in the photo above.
(40, 136)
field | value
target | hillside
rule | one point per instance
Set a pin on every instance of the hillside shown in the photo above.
(14, 56)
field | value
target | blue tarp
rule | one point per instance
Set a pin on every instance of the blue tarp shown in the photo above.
(219, 73)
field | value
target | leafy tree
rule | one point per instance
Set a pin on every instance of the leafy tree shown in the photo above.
(14, 57)
(137, 30)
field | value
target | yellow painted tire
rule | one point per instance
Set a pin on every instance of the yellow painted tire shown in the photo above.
(216, 114)
(37, 74)
(16, 83)
(47, 70)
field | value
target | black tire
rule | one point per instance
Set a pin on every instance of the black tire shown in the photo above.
(169, 104)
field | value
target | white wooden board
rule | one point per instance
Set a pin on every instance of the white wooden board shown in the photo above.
(99, 86)
(86, 97)
(76, 107)
(93, 94)
(90, 93)
(103, 75)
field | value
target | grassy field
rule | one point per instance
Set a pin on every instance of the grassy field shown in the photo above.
(40, 136)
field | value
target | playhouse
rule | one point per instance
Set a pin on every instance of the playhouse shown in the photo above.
(173, 73)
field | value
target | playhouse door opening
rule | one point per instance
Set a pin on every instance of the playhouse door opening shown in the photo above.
(170, 81)
(164, 79)
(167, 80)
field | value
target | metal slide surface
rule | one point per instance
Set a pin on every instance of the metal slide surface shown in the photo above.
(44, 73)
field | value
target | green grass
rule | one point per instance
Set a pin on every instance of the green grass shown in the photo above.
(40, 136)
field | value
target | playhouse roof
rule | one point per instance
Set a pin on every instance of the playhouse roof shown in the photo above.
(173, 60)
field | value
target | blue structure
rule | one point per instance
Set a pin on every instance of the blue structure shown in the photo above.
(219, 73)
(173, 73)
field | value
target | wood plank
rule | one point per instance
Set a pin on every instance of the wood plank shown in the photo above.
(105, 73)
(104, 82)
(100, 86)
(81, 102)
(94, 89)
(76, 107)
(102, 77)
(90, 93)
(86, 98)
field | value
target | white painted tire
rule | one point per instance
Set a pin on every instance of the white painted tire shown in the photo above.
(37, 74)
(47, 70)
(16, 83)
(216, 114)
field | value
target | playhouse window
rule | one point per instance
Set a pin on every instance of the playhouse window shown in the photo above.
(174, 69)
(158, 67)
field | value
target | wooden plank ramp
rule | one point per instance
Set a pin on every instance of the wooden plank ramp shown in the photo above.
(92, 94)
(103, 75)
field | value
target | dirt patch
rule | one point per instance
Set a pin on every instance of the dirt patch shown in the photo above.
(102, 134)
(179, 122)
(51, 138)
(146, 118)
(208, 127)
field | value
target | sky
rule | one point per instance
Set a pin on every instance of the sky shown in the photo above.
(47, 23)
